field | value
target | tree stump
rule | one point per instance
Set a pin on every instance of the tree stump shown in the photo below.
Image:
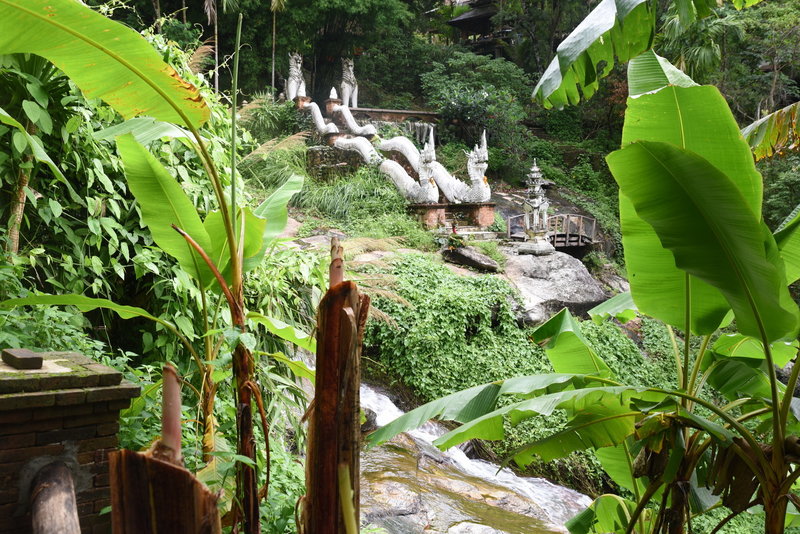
(53, 506)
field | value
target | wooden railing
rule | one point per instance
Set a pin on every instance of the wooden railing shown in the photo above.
(571, 230)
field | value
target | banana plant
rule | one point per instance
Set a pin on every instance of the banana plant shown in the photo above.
(698, 254)
(615, 30)
(110, 61)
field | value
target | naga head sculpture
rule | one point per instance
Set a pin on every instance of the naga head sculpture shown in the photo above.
(427, 156)
(478, 161)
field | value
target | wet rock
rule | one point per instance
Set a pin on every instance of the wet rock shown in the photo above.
(409, 487)
(549, 283)
(471, 258)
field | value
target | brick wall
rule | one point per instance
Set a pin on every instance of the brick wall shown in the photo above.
(52, 414)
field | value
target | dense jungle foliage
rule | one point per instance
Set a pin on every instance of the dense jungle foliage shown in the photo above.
(71, 224)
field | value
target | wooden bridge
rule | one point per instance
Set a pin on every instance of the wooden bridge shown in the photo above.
(571, 230)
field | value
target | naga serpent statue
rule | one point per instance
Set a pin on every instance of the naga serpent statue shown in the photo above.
(454, 190)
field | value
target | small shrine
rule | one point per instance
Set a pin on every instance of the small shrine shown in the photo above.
(535, 217)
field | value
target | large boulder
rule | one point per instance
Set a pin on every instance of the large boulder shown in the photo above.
(549, 283)
(471, 258)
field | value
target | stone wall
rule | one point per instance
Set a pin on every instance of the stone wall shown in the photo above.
(473, 214)
(67, 411)
(328, 163)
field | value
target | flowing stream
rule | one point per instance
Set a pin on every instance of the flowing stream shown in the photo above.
(409, 486)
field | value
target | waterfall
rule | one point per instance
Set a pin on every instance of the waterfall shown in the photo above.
(557, 503)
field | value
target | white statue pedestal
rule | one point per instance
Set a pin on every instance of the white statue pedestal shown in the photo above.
(538, 245)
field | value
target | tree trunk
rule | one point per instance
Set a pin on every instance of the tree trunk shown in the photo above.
(157, 10)
(274, 20)
(676, 515)
(775, 515)
(334, 426)
(151, 492)
(207, 407)
(216, 52)
(18, 202)
(246, 483)
(53, 506)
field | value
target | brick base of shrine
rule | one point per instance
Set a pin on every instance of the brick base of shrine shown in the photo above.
(67, 411)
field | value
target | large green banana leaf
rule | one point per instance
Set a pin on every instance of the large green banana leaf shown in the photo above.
(615, 30)
(611, 403)
(620, 307)
(602, 426)
(774, 133)
(163, 203)
(682, 116)
(104, 58)
(702, 218)
(83, 303)
(475, 402)
(618, 29)
(566, 348)
(787, 237)
(251, 246)
(274, 210)
(649, 72)
(739, 346)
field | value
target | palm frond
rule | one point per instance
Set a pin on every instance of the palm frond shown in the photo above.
(210, 8)
(287, 143)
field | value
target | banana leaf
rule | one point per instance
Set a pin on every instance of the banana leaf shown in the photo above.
(775, 133)
(702, 218)
(106, 59)
(566, 348)
(475, 402)
(164, 203)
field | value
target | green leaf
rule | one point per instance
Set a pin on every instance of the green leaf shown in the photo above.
(620, 307)
(741, 346)
(702, 218)
(285, 331)
(608, 513)
(787, 237)
(144, 129)
(736, 378)
(619, 29)
(163, 203)
(650, 72)
(611, 404)
(81, 302)
(274, 210)
(774, 133)
(681, 116)
(566, 348)
(298, 368)
(22, 139)
(104, 58)
(617, 462)
(55, 207)
(32, 110)
(474, 402)
(38, 93)
(220, 251)
(602, 426)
